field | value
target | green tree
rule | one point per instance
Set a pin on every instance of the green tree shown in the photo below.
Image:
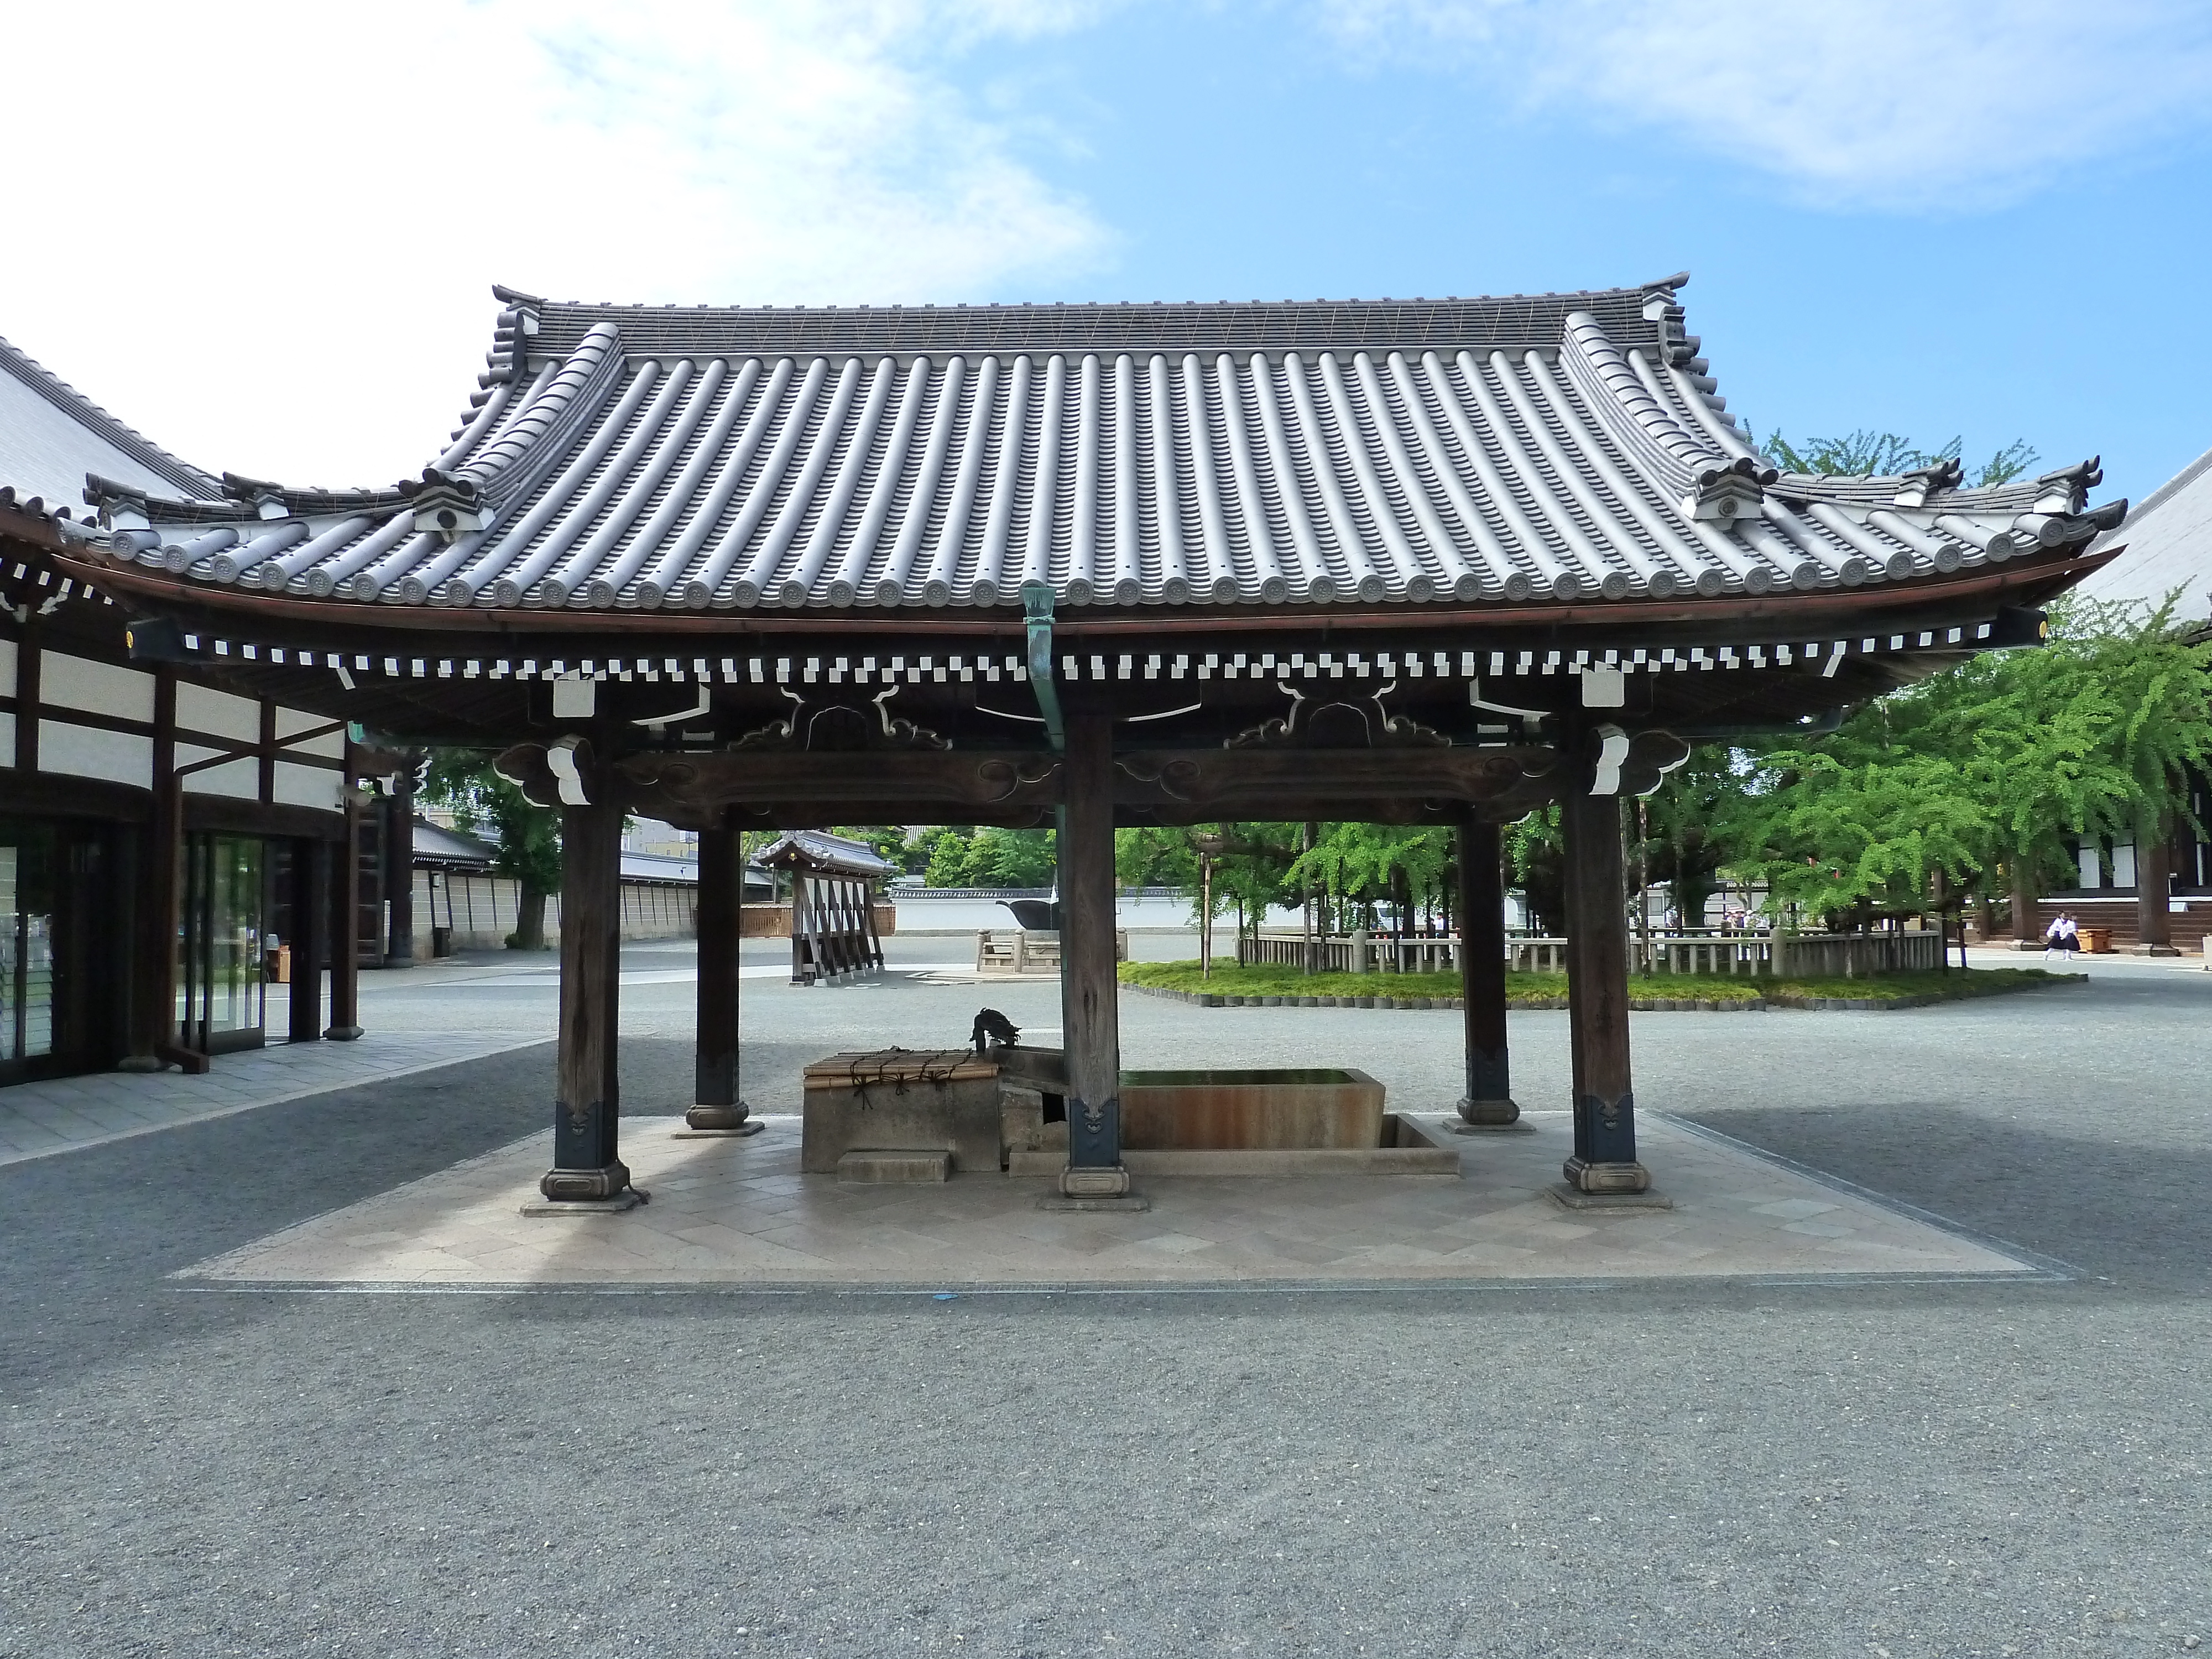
(527, 837)
(1996, 763)
(1884, 455)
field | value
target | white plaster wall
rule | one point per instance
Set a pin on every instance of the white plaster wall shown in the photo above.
(239, 779)
(218, 713)
(87, 752)
(7, 739)
(289, 720)
(7, 668)
(305, 785)
(67, 682)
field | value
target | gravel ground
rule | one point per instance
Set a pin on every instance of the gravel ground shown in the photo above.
(1677, 1468)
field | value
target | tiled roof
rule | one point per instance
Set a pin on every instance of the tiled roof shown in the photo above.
(817, 849)
(1473, 452)
(51, 435)
(2169, 546)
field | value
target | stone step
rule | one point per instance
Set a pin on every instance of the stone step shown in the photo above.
(882, 1167)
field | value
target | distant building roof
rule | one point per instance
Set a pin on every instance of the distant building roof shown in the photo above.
(2168, 538)
(435, 844)
(53, 436)
(1477, 451)
(819, 850)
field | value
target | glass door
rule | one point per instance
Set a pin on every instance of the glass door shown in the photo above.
(27, 946)
(222, 978)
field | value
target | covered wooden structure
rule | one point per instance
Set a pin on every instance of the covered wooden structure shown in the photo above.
(833, 915)
(1437, 561)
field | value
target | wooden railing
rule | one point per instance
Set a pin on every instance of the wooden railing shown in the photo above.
(1847, 956)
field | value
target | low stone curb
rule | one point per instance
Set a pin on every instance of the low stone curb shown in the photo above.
(1638, 1004)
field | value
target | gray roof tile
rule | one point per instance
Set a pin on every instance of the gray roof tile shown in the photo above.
(1484, 450)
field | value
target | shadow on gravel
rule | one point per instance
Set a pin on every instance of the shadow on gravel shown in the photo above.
(2126, 1211)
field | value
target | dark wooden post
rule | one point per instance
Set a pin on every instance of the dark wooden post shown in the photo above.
(311, 936)
(586, 1165)
(718, 1106)
(1090, 1011)
(399, 849)
(2153, 892)
(154, 976)
(1604, 1159)
(1489, 1098)
(345, 918)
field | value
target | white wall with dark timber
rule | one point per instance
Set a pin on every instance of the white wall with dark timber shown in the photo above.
(307, 786)
(91, 751)
(7, 739)
(96, 688)
(216, 715)
(239, 778)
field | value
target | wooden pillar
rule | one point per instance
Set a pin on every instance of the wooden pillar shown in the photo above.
(1481, 905)
(2153, 892)
(718, 1106)
(586, 1164)
(345, 919)
(1604, 1158)
(1090, 1011)
(398, 850)
(153, 947)
(311, 937)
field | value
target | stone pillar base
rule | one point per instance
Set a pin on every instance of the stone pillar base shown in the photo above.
(2154, 951)
(1094, 1187)
(1489, 1114)
(344, 1033)
(141, 1063)
(721, 1120)
(1586, 1177)
(1094, 1180)
(560, 1186)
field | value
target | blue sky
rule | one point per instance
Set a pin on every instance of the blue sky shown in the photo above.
(1934, 218)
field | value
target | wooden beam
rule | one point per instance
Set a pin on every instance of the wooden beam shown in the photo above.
(1604, 1158)
(718, 1105)
(1489, 1097)
(1089, 992)
(587, 1109)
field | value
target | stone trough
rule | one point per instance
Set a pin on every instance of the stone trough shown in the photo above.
(903, 1115)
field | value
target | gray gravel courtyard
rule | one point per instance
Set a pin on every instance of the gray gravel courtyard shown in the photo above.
(1865, 1468)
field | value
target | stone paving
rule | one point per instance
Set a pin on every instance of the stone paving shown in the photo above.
(38, 1120)
(739, 1212)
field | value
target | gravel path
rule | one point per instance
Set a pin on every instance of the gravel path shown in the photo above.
(1673, 1469)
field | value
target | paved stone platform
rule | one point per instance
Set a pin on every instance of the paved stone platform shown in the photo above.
(38, 1120)
(739, 1212)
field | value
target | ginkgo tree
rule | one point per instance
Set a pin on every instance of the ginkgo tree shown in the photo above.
(1997, 763)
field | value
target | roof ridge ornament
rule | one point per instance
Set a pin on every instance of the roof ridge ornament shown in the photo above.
(2066, 490)
(1917, 484)
(446, 505)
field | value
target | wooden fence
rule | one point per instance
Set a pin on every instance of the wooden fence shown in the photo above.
(1800, 956)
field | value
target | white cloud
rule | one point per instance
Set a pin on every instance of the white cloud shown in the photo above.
(264, 232)
(1895, 104)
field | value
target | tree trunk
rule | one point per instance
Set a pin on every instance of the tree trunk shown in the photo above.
(529, 933)
(2024, 921)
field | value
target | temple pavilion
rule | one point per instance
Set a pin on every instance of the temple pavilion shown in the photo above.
(1430, 561)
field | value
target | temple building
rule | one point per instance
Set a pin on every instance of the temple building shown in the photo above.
(168, 833)
(1430, 561)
